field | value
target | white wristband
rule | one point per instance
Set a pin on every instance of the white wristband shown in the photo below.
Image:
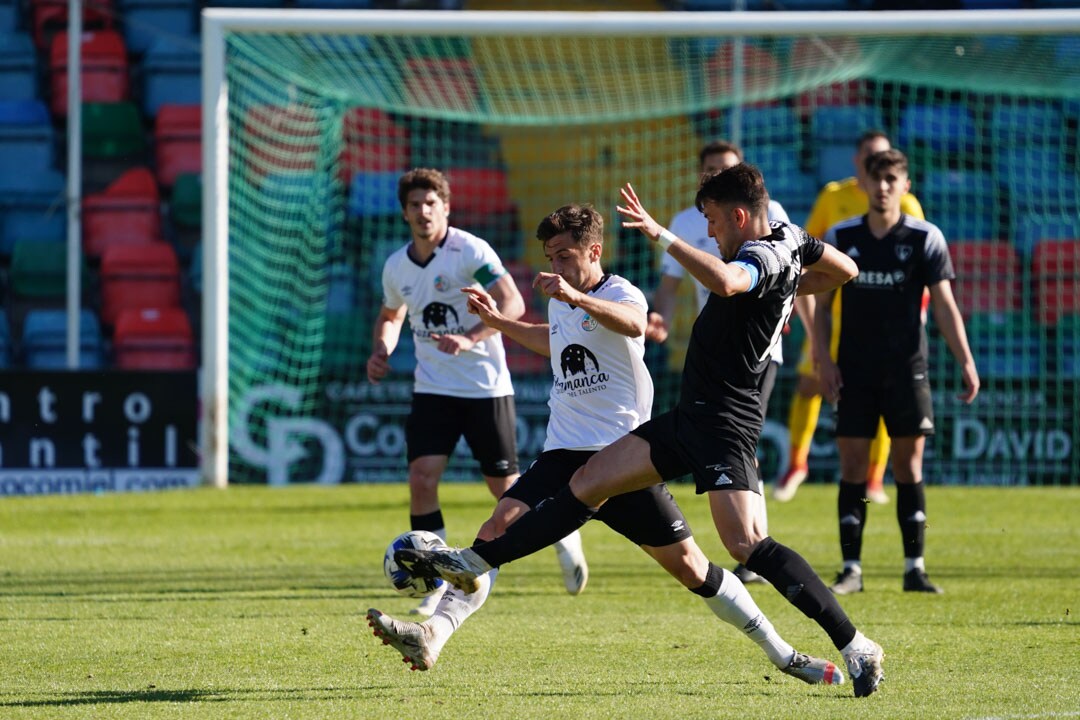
(666, 239)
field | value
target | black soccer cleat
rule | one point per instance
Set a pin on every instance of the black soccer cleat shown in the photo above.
(450, 564)
(916, 580)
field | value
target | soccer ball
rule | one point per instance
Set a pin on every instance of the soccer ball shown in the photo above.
(402, 580)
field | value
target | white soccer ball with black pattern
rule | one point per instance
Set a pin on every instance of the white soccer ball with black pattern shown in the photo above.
(402, 580)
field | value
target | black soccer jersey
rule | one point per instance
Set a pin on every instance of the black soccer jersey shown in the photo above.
(881, 328)
(733, 336)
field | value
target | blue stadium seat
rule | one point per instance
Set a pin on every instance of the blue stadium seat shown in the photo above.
(26, 137)
(48, 227)
(44, 340)
(964, 204)
(764, 126)
(1037, 179)
(172, 74)
(18, 67)
(1038, 124)
(1029, 228)
(147, 21)
(941, 128)
(1067, 346)
(833, 132)
(9, 15)
(342, 293)
(374, 193)
(32, 201)
(1005, 346)
(5, 342)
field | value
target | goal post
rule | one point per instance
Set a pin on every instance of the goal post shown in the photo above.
(309, 115)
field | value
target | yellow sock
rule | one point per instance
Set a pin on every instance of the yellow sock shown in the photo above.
(802, 421)
(879, 458)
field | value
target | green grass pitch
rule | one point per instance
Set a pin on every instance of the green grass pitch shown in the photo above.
(249, 603)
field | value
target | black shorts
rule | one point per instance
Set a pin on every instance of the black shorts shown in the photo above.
(718, 458)
(768, 382)
(644, 517)
(905, 405)
(437, 422)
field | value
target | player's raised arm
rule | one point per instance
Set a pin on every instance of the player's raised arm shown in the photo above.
(832, 270)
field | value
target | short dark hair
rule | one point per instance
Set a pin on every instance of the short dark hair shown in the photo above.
(583, 222)
(423, 179)
(868, 135)
(717, 147)
(741, 184)
(879, 161)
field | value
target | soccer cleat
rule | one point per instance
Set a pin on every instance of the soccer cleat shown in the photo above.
(865, 668)
(410, 639)
(785, 489)
(814, 671)
(847, 582)
(877, 495)
(916, 580)
(427, 605)
(450, 564)
(575, 570)
(746, 575)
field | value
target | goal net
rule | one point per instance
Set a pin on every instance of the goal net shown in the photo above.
(312, 116)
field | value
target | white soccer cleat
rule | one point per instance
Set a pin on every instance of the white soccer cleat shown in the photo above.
(785, 489)
(877, 496)
(412, 640)
(460, 568)
(575, 569)
(427, 605)
(814, 671)
(864, 665)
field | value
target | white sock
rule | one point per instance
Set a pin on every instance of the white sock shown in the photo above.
(853, 565)
(859, 643)
(914, 563)
(455, 607)
(733, 605)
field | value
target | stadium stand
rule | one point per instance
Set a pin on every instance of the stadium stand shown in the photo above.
(27, 137)
(31, 205)
(943, 190)
(989, 277)
(177, 142)
(44, 340)
(5, 343)
(104, 69)
(48, 17)
(146, 22)
(1056, 276)
(171, 71)
(138, 277)
(1005, 345)
(128, 212)
(18, 66)
(153, 339)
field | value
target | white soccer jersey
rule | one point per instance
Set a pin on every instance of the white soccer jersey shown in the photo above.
(432, 292)
(692, 227)
(601, 389)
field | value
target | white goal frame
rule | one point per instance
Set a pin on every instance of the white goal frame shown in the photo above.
(217, 23)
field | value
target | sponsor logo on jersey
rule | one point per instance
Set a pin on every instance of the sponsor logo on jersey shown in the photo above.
(879, 278)
(441, 284)
(588, 324)
(439, 317)
(581, 372)
(903, 252)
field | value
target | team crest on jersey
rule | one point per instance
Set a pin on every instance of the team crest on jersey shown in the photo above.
(903, 252)
(581, 372)
(441, 284)
(588, 324)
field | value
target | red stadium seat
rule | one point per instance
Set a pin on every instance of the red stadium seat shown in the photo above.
(104, 69)
(1057, 279)
(138, 277)
(51, 16)
(154, 339)
(760, 67)
(443, 82)
(479, 190)
(177, 142)
(987, 277)
(128, 212)
(281, 139)
(374, 143)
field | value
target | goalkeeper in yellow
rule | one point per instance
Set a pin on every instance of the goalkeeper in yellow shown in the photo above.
(837, 201)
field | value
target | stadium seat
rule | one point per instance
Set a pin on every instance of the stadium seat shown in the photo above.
(764, 126)
(112, 130)
(479, 191)
(833, 133)
(177, 142)
(374, 142)
(185, 205)
(195, 269)
(987, 277)
(171, 73)
(1067, 346)
(9, 15)
(1032, 124)
(1056, 275)
(280, 139)
(128, 212)
(31, 205)
(374, 194)
(49, 226)
(1004, 345)
(444, 82)
(760, 69)
(148, 21)
(138, 277)
(39, 270)
(26, 137)
(153, 339)
(472, 147)
(939, 128)
(44, 340)
(964, 204)
(1037, 179)
(840, 94)
(49, 17)
(104, 69)
(1030, 229)
(18, 67)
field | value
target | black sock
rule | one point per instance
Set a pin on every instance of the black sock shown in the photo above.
(547, 523)
(851, 510)
(431, 522)
(713, 579)
(790, 574)
(911, 514)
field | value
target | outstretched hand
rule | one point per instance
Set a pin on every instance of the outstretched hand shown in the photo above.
(636, 215)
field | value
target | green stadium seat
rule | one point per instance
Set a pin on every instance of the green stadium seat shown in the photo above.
(39, 270)
(112, 130)
(186, 202)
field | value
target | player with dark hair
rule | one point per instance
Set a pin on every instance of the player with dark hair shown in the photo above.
(462, 383)
(837, 201)
(602, 390)
(881, 367)
(713, 431)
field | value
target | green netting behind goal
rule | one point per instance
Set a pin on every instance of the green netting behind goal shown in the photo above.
(322, 125)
